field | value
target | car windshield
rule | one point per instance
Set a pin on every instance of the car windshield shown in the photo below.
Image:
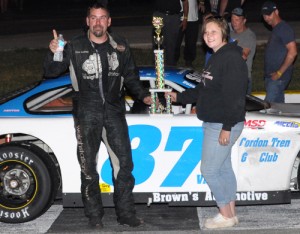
(256, 104)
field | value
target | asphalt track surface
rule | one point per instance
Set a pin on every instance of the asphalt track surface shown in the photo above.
(269, 219)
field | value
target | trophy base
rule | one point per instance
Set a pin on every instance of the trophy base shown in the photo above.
(159, 90)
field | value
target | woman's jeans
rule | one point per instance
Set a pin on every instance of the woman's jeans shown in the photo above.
(216, 162)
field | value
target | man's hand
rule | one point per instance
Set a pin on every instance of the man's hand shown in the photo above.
(53, 43)
(275, 76)
(183, 24)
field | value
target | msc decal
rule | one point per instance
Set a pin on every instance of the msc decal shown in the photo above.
(255, 124)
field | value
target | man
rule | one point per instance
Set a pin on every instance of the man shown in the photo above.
(227, 6)
(245, 38)
(101, 65)
(190, 35)
(170, 12)
(280, 54)
(220, 7)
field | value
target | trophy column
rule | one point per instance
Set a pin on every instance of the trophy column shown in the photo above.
(156, 106)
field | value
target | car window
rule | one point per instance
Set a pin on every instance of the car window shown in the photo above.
(52, 101)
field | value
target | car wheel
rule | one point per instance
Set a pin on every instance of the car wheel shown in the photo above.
(25, 184)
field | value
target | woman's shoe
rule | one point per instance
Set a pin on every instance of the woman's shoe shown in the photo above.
(219, 221)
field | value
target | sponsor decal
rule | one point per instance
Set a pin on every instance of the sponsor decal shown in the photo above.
(82, 52)
(81, 152)
(22, 214)
(11, 110)
(257, 143)
(255, 124)
(16, 156)
(113, 61)
(175, 197)
(287, 124)
(113, 74)
(105, 188)
(243, 196)
(275, 142)
(264, 157)
(200, 179)
(188, 84)
(90, 67)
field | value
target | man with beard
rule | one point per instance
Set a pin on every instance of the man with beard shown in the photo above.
(280, 54)
(100, 66)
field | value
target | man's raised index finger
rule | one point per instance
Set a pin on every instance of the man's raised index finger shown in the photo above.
(54, 34)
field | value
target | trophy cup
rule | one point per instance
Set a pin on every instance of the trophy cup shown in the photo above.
(156, 106)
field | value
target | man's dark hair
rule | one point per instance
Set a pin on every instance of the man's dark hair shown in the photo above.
(98, 5)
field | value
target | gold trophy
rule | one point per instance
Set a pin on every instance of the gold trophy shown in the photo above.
(156, 106)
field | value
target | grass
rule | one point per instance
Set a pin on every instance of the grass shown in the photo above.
(21, 67)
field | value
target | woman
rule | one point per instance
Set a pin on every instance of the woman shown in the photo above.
(220, 104)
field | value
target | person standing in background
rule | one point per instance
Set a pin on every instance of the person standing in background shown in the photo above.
(3, 5)
(190, 35)
(209, 6)
(280, 54)
(227, 6)
(245, 38)
(170, 12)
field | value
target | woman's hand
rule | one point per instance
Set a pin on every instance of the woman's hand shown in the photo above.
(224, 137)
(173, 96)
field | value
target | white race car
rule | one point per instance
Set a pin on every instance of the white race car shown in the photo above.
(38, 158)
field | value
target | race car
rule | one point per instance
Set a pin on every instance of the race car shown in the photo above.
(38, 159)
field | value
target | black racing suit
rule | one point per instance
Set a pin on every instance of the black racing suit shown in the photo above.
(99, 120)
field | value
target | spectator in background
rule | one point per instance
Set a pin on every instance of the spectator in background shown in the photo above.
(190, 35)
(220, 7)
(3, 6)
(206, 6)
(227, 6)
(170, 12)
(245, 38)
(19, 4)
(280, 54)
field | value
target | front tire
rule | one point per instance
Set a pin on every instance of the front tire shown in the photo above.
(25, 184)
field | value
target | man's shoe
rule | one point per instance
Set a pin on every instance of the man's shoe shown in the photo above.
(219, 221)
(132, 221)
(95, 222)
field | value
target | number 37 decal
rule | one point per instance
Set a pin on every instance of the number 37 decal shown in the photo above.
(148, 149)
